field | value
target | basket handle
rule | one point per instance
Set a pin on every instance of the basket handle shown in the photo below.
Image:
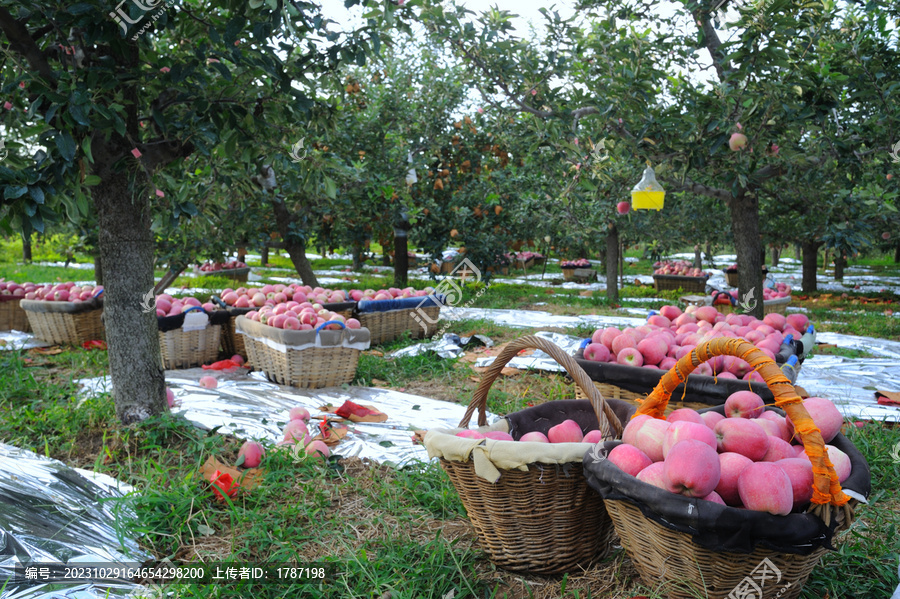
(218, 301)
(826, 488)
(325, 324)
(609, 422)
(194, 309)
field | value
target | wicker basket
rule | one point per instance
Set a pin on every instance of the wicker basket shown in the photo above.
(392, 324)
(12, 316)
(306, 359)
(671, 282)
(579, 274)
(610, 392)
(668, 556)
(188, 349)
(732, 277)
(65, 323)
(543, 520)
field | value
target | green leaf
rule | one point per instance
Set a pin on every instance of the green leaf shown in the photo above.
(80, 8)
(78, 113)
(15, 191)
(37, 194)
(91, 180)
(330, 187)
(66, 145)
(37, 222)
(222, 69)
(86, 148)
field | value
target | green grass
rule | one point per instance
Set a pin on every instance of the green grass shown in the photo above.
(865, 563)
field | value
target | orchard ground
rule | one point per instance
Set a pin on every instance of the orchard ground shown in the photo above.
(392, 533)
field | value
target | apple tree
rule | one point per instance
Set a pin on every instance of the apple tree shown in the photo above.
(118, 101)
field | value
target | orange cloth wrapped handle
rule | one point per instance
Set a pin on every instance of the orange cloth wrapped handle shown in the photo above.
(826, 488)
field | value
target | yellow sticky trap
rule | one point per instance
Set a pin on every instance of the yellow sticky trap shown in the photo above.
(648, 194)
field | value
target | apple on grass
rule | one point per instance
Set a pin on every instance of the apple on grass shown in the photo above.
(252, 452)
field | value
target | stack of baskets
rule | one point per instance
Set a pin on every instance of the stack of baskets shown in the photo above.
(529, 502)
(691, 547)
(307, 359)
(387, 320)
(185, 346)
(12, 316)
(65, 323)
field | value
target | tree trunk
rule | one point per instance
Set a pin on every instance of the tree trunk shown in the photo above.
(26, 247)
(295, 246)
(826, 262)
(698, 257)
(798, 251)
(242, 254)
(840, 262)
(401, 258)
(612, 264)
(748, 246)
(709, 254)
(264, 255)
(98, 267)
(297, 252)
(356, 253)
(385, 255)
(810, 265)
(621, 263)
(897, 254)
(126, 252)
(776, 255)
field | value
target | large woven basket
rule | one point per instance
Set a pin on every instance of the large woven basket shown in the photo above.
(65, 323)
(12, 316)
(392, 324)
(673, 556)
(542, 518)
(306, 359)
(188, 349)
(671, 282)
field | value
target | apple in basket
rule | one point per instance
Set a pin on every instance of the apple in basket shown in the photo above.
(568, 431)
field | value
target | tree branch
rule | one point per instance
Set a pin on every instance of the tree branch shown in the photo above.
(711, 40)
(700, 189)
(22, 43)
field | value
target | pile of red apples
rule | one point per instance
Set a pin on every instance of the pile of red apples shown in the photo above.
(215, 267)
(244, 297)
(296, 434)
(671, 334)
(59, 292)
(681, 268)
(780, 290)
(749, 458)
